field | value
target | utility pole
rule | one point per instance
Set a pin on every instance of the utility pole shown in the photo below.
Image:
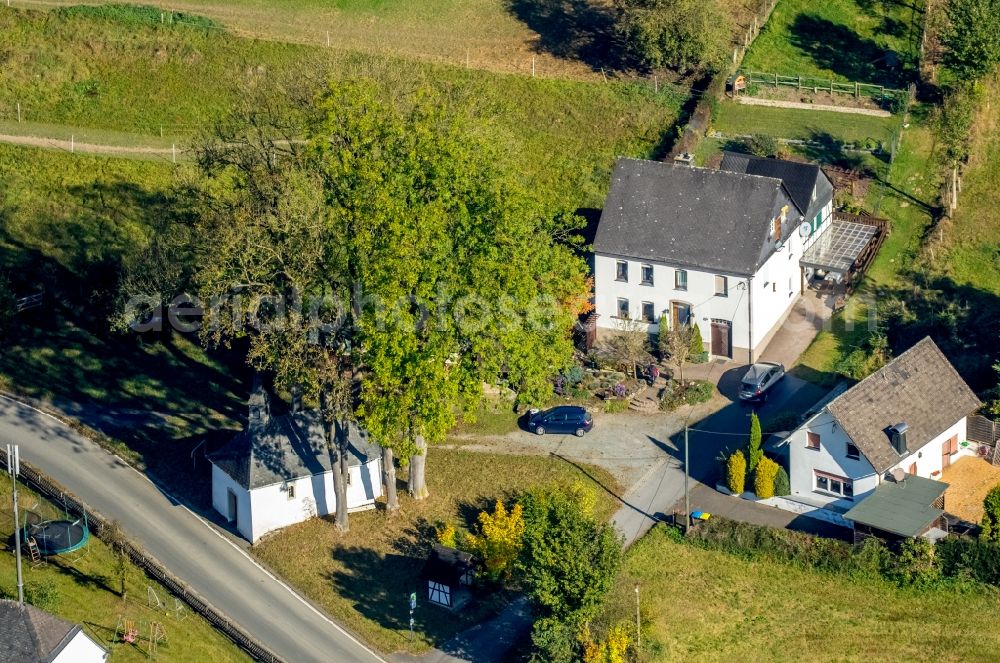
(687, 495)
(13, 469)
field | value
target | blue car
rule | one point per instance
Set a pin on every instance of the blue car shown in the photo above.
(562, 419)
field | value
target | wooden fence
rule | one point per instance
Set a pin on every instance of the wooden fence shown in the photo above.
(799, 82)
(41, 484)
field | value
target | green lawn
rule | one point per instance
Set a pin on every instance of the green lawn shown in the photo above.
(489, 34)
(364, 578)
(906, 202)
(87, 592)
(846, 40)
(141, 78)
(67, 223)
(712, 606)
(736, 119)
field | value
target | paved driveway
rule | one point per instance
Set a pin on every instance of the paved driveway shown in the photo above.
(191, 548)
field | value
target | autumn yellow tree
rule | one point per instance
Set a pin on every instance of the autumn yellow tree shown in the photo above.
(612, 649)
(499, 540)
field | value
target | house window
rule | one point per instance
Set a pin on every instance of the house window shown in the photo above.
(818, 221)
(647, 275)
(721, 286)
(776, 229)
(647, 312)
(680, 279)
(852, 451)
(812, 440)
(623, 308)
(832, 484)
(621, 271)
(290, 491)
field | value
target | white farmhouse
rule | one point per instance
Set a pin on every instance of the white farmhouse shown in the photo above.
(31, 635)
(906, 420)
(278, 472)
(722, 248)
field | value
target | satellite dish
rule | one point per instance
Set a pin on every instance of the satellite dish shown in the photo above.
(805, 230)
(898, 475)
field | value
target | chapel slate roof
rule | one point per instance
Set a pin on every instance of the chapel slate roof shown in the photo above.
(920, 387)
(807, 184)
(712, 220)
(288, 447)
(31, 635)
(447, 565)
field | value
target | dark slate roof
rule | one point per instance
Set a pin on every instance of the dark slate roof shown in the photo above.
(448, 565)
(705, 219)
(29, 634)
(807, 184)
(287, 447)
(920, 388)
(905, 508)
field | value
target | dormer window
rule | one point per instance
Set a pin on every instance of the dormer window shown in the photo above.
(776, 229)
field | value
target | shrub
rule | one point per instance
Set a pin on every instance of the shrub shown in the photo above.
(873, 559)
(569, 560)
(8, 306)
(615, 405)
(754, 453)
(445, 534)
(697, 343)
(761, 145)
(574, 375)
(915, 564)
(684, 35)
(782, 484)
(499, 541)
(700, 391)
(962, 556)
(736, 472)
(991, 515)
(763, 480)
(554, 640)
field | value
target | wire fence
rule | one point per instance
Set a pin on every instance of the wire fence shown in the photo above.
(99, 525)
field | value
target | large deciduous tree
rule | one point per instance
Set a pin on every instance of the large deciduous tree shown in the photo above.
(384, 260)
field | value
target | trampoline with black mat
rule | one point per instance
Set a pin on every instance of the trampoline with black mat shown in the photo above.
(57, 537)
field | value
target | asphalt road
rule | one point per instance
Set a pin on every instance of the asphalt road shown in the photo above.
(191, 548)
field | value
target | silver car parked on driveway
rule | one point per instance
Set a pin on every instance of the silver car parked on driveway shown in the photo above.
(760, 379)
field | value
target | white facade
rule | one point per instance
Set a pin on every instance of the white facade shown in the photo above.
(267, 508)
(809, 465)
(753, 307)
(81, 649)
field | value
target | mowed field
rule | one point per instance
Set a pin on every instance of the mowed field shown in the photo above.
(129, 73)
(485, 34)
(702, 605)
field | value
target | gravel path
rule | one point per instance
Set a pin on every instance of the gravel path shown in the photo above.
(775, 103)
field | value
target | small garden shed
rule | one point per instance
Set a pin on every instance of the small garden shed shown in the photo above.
(448, 572)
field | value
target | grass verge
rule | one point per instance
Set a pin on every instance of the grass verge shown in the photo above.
(364, 578)
(706, 605)
(86, 591)
(817, 126)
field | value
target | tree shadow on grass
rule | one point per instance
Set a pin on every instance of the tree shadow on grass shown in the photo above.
(573, 29)
(824, 148)
(379, 587)
(841, 50)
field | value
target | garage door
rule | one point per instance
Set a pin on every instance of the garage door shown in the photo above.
(722, 338)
